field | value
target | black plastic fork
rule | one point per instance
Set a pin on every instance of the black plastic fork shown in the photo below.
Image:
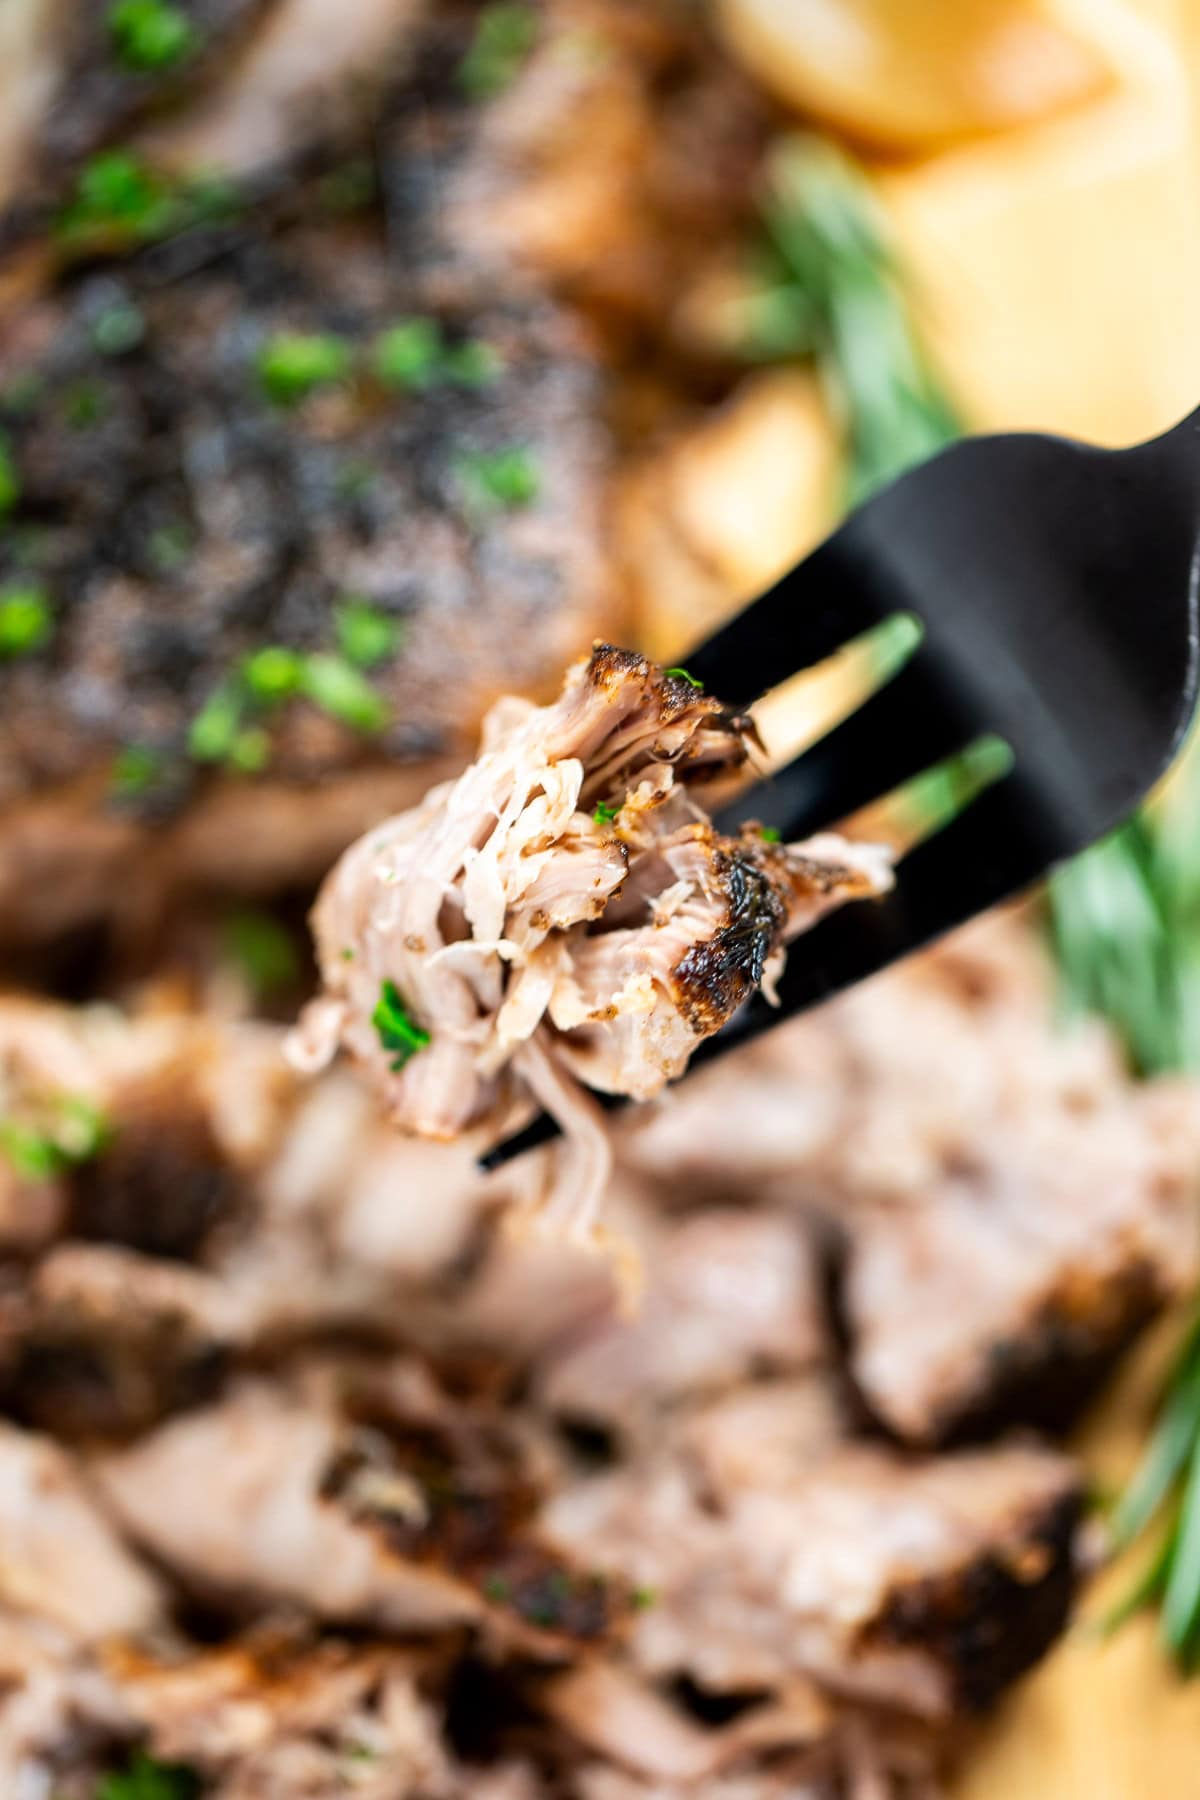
(1056, 587)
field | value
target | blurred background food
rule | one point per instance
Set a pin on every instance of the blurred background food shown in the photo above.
(358, 363)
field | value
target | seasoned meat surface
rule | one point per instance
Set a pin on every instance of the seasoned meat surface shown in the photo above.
(174, 521)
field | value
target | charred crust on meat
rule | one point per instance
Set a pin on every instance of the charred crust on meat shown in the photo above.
(88, 1378)
(1046, 1372)
(609, 665)
(713, 978)
(463, 1503)
(988, 1622)
(163, 1185)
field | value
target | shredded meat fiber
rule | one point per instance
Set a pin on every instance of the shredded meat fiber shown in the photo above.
(564, 916)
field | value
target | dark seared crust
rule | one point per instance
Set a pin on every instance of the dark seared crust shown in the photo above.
(609, 666)
(163, 1185)
(712, 979)
(87, 1375)
(190, 521)
(991, 1621)
(1047, 1369)
(462, 1502)
(261, 500)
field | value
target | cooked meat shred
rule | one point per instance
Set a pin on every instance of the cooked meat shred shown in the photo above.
(563, 914)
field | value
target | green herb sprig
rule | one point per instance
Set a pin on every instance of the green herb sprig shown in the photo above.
(397, 1031)
(120, 201)
(499, 480)
(145, 1778)
(293, 364)
(228, 727)
(10, 480)
(151, 35)
(504, 36)
(825, 285)
(72, 1131)
(26, 621)
(413, 354)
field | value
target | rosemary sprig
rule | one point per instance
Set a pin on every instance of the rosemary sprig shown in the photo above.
(826, 286)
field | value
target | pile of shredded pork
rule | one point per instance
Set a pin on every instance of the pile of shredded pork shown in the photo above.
(563, 916)
(316, 1481)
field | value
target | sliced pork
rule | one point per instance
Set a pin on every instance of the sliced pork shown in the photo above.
(563, 915)
(1011, 1208)
(375, 1502)
(922, 1585)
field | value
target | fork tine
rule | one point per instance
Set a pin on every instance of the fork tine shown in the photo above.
(809, 613)
(902, 729)
(999, 845)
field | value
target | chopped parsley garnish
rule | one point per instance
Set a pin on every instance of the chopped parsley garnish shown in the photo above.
(250, 751)
(169, 547)
(145, 1778)
(503, 39)
(500, 478)
(85, 403)
(642, 1597)
(117, 195)
(339, 689)
(148, 35)
(208, 197)
(397, 1032)
(73, 1134)
(355, 478)
(605, 814)
(216, 726)
(473, 364)
(413, 354)
(10, 481)
(682, 675)
(349, 187)
(409, 354)
(292, 364)
(273, 674)
(22, 394)
(26, 623)
(135, 770)
(496, 1587)
(264, 951)
(225, 731)
(770, 834)
(118, 328)
(365, 635)
(348, 953)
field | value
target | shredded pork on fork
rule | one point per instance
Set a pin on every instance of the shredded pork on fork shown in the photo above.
(563, 916)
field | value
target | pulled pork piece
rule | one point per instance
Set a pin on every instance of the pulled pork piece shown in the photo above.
(778, 1552)
(273, 1719)
(728, 1294)
(1011, 1207)
(59, 1560)
(374, 1501)
(563, 914)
